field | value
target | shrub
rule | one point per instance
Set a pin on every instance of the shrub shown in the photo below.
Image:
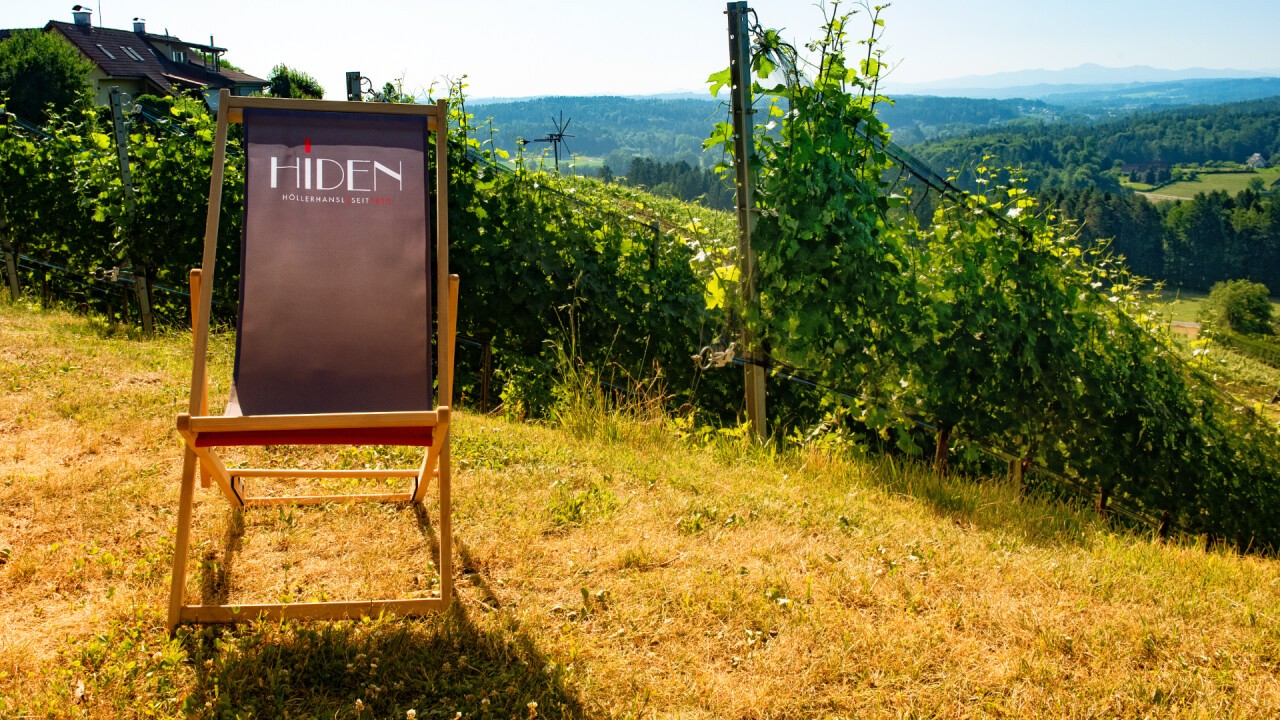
(1240, 306)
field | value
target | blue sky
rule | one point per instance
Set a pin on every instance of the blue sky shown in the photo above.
(591, 47)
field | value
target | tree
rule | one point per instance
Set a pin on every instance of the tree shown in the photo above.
(287, 82)
(681, 180)
(1196, 233)
(393, 92)
(1240, 306)
(40, 71)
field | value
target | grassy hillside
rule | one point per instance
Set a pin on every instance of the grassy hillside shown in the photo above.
(606, 569)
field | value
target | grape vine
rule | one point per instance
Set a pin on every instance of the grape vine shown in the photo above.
(987, 319)
(537, 253)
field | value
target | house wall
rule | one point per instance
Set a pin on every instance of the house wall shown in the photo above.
(102, 86)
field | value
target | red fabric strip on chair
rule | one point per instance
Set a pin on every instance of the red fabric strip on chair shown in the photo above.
(417, 436)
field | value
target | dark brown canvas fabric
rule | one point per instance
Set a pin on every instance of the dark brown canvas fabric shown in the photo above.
(335, 281)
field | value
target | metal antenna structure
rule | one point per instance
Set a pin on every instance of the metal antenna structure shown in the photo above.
(556, 138)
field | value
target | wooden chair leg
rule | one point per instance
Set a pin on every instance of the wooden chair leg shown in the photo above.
(426, 471)
(206, 478)
(450, 341)
(446, 526)
(182, 543)
(431, 461)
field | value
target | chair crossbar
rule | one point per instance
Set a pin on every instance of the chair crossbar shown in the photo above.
(354, 474)
(271, 501)
(223, 614)
(325, 421)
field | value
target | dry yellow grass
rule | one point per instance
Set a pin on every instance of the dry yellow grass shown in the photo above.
(636, 577)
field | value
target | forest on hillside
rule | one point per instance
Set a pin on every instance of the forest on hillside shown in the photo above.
(618, 129)
(614, 128)
(1078, 167)
(1074, 163)
(1191, 244)
(1077, 155)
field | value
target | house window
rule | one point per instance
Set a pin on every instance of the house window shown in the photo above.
(179, 56)
(129, 51)
(106, 51)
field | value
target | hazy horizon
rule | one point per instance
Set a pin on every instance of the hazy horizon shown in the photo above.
(584, 47)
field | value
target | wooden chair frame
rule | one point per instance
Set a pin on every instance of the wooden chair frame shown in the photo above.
(206, 461)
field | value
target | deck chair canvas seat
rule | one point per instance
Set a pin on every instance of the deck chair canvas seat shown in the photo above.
(335, 326)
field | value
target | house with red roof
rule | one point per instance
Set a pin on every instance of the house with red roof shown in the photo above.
(143, 63)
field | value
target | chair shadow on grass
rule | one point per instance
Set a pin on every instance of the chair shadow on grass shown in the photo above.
(438, 665)
(215, 577)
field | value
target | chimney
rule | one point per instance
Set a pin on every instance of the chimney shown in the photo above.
(80, 14)
(140, 25)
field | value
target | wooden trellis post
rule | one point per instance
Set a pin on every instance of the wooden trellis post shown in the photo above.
(10, 256)
(122, 150)
(7, 247)
(743, 151)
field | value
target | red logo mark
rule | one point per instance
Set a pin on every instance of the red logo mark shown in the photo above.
(308, 144)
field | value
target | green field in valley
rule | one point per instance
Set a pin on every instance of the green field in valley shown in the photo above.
(1184, 305)
(1231, 182)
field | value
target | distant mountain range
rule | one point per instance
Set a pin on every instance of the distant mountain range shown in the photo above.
(1030, 84)
(1111, 99)
(1040, 84)
(1104, 99)
(673, 95)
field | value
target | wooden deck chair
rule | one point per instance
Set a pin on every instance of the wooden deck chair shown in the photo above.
(334, 336)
